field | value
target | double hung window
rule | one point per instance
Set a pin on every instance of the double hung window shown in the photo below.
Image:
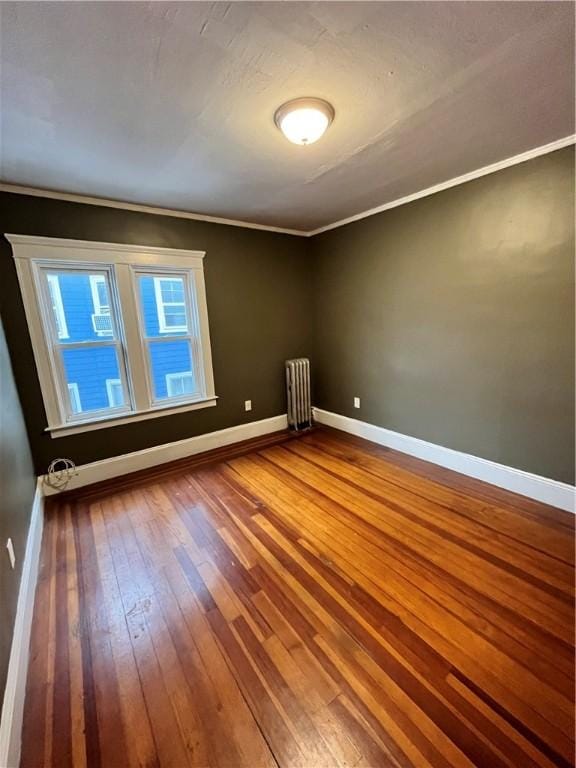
(119, 332)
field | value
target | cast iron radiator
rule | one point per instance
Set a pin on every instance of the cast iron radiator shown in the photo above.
(298, 393)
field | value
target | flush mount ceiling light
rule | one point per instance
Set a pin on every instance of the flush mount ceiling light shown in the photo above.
(304, 121)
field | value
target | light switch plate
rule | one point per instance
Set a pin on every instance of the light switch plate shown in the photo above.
(356, 402)
(247, 405)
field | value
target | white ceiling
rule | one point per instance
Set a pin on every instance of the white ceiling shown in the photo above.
(171, 104)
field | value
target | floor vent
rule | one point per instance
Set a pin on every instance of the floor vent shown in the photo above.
(298, 393)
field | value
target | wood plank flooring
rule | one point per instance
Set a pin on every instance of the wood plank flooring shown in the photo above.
(318, 602)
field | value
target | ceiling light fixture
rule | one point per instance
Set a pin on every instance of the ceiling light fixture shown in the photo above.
(304, 121)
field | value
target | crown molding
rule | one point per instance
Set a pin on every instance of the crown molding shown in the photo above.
(487, 169)
(478, 173)
(17, 189)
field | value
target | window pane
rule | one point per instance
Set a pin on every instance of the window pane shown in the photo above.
(172, 289)
(80, 303)
(171, 369)
(163, 305)
(89, 370)
(174, 317)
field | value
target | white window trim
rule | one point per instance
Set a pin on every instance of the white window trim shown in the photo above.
(56, 294)
(31, 252)
(161, 304)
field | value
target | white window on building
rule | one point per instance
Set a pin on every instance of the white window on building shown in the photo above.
(57, 306)
(101, 317)
(74, 394)
(179, 384)
(139, 349)
(171, 304)
(115, 392)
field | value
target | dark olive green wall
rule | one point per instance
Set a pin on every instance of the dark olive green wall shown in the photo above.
(259, 304)
(452, 318)
(17, 486)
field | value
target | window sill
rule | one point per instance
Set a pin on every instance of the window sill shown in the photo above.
(63, 430)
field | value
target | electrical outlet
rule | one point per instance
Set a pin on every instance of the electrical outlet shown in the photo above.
(11, 554)
(247, 405)
(356, 402)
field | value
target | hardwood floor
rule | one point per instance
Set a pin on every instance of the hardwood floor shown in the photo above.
(320, 602)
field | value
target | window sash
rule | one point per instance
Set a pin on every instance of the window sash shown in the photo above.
(57, 346)
(190, 333)
(187, 396)
(94, 413)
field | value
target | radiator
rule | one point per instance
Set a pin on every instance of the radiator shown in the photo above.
(298, 392)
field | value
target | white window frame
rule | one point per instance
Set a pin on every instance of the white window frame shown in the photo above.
(33, 254)
(161, 305)
(56, 296)
(172, 377)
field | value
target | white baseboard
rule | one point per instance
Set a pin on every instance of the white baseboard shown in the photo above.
(13, 706)
(161, 454)
(542, 489)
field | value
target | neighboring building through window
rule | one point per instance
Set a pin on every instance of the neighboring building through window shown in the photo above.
(128, 331)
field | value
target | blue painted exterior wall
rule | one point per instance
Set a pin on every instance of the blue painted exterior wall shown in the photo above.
(89, 369)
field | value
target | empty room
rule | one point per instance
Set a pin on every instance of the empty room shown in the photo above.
(287, 379)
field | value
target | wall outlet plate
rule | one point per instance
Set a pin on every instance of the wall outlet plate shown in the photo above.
(11, 554)
(247, 405)
(356, 402)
